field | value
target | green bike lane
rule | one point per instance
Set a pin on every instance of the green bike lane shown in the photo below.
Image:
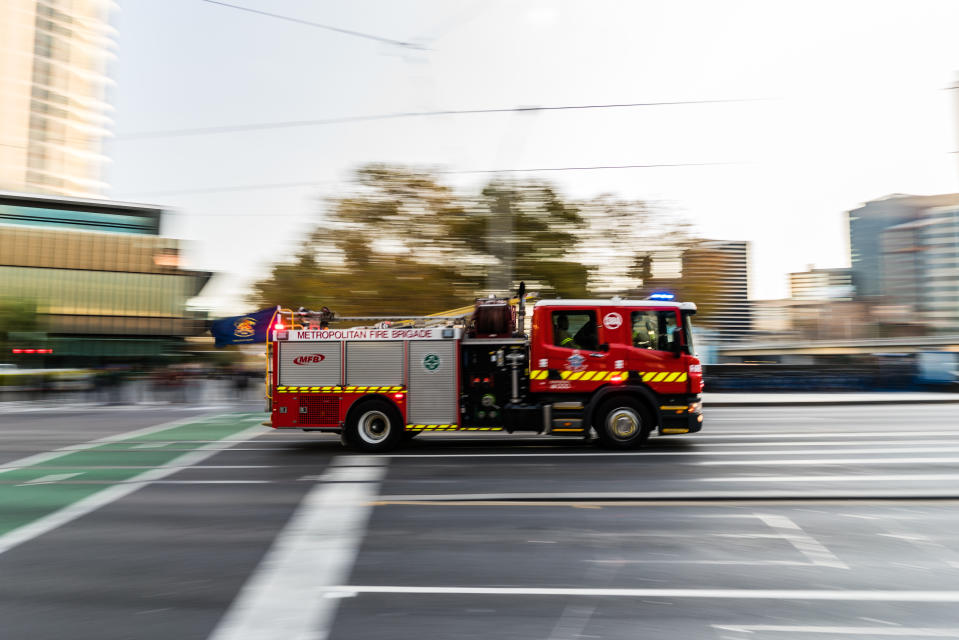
(45, 491)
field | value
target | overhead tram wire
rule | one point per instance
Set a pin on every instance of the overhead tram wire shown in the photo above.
(318, 25)
(288, 124)
(287, 185)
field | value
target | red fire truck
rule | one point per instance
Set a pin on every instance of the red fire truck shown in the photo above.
(616, 368)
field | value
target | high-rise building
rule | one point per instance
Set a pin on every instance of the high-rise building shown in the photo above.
(99, 280)
(53, 84)
(715, 275)
(920, 271)
(866, 225)
(821, 284)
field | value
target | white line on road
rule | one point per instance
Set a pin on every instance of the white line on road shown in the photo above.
(830, 443)
(846, 595)
(911, 632)
(870, 433)
(614, 498)
(314, 552)
(908, 477)
(819, 461)
(804, 543)
(113, 493)
(53, 477)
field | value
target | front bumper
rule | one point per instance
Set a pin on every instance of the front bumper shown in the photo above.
(681, 415)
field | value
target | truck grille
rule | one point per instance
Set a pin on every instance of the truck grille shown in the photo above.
(321, 411)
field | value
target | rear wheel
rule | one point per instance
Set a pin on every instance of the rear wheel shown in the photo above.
(373, 426)
(622, 423)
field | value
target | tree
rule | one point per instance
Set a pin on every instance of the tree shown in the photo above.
(403, 243)
(16, 315)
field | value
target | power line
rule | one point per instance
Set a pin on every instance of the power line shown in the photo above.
(286, 124)
(286, 185)
(348, 32)
(594, 168)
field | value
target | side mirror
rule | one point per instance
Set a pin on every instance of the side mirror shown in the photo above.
(604, 347)
(676, 342)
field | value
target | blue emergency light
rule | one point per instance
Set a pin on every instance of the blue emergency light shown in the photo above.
(662, 295)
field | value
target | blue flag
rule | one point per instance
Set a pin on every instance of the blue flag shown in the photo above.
(247, 329)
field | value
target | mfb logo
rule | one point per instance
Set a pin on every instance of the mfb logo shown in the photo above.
(313, 358)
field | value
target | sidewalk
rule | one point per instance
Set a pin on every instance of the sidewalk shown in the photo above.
(803, 399)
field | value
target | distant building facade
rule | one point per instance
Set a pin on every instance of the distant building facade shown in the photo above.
(53, 84)
(866, 226)
(102, 280)
(716, 273)
(821, 284)
(905, 261)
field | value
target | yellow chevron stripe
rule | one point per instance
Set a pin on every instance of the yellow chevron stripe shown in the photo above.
(576, 375)
(681, 378)
(648, 376)
(588, 375)
(659, 376)
(672, 376)
(564, 374)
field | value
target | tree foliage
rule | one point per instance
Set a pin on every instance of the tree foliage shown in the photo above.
(401, 242)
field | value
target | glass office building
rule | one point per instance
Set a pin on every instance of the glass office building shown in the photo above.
(104, 284)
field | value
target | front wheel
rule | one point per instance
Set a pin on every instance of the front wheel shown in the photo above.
(622, 423)
(373, 426)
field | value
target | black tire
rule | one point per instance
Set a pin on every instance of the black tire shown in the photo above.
(622, 423)
(373, 426)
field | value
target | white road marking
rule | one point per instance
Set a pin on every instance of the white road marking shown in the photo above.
(811, 435)
(912, 632)
(745, 563)
(845, 595)
(804, 543)
(597, 497)
(313, 553)
(54, 477)
(909, 477)
(572, 622)
(38, 458)
(829, 443)
(901, 448)
(351, 474)
(820, 461)
(114, 492)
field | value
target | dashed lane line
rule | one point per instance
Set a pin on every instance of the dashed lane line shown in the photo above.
(815, 551)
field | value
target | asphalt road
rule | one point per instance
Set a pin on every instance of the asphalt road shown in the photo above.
(194, 522)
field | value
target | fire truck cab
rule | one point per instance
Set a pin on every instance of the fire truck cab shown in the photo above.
(619, 369)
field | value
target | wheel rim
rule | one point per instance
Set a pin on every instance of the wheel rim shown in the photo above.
(374, 427)
(623, 423)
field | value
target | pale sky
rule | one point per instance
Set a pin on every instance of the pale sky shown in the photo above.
(855, 105)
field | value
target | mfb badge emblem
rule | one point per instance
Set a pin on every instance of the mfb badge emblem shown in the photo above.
(576, 362)
(313, 358)
(612, 321)
(244, 327)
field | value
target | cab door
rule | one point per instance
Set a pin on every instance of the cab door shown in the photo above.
(569, 353)
(649, 350)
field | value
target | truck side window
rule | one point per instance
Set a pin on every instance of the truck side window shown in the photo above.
(575, 329)
(652, 329)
